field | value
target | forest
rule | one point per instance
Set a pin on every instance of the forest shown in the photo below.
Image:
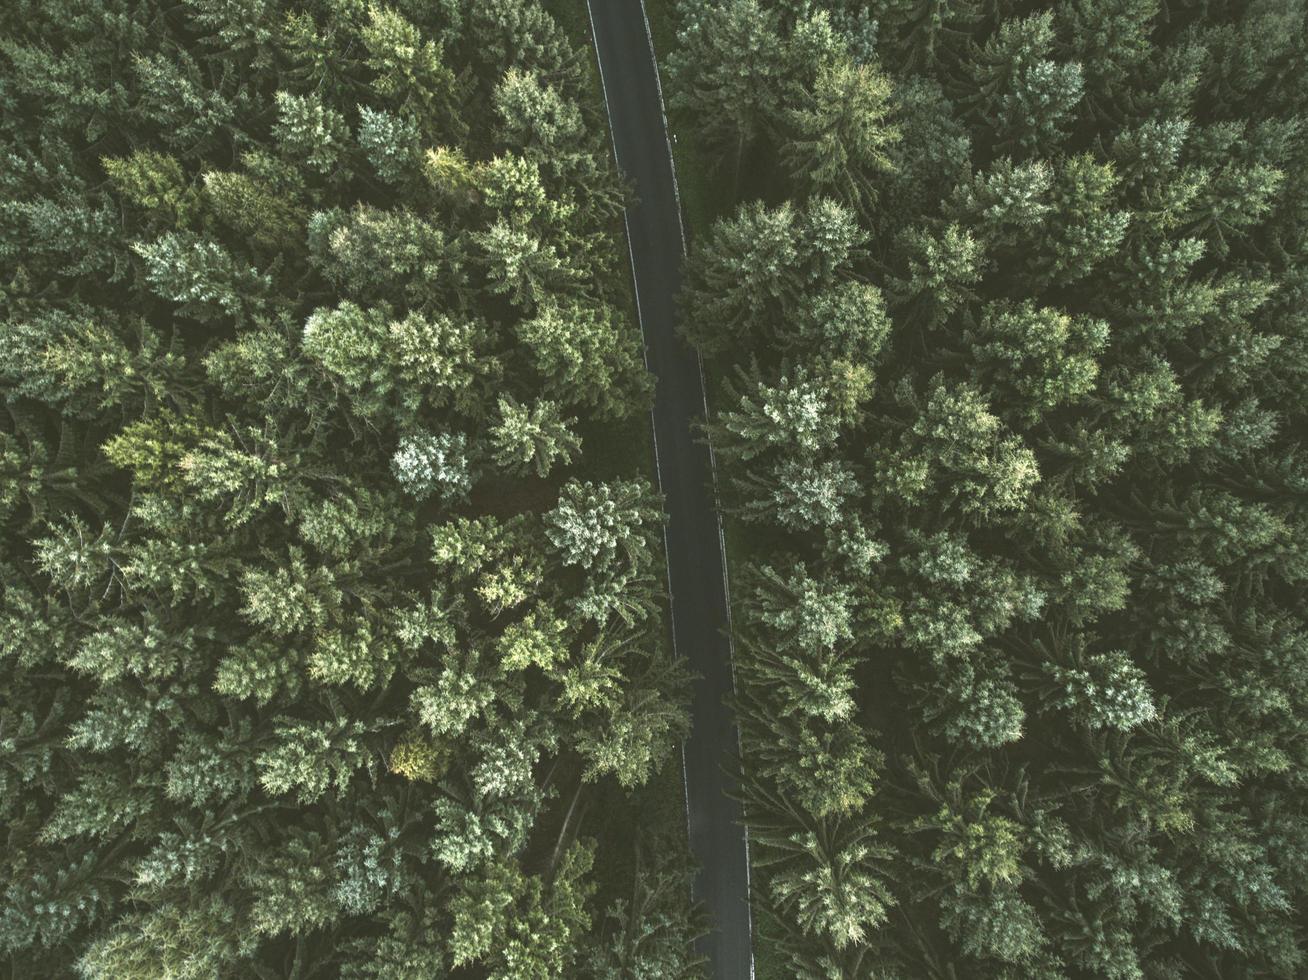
(331, 595)
(1005, 311)
(333, 611)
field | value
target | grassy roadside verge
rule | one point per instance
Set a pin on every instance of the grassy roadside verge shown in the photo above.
(702, 192)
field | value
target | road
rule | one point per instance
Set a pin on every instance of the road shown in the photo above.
(696, 577)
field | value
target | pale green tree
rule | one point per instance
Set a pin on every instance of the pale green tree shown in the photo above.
(532, 437)
(839, 135)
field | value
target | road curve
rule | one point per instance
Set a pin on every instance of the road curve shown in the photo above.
(693, 537)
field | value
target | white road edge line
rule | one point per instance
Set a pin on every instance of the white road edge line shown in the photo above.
(713, 468)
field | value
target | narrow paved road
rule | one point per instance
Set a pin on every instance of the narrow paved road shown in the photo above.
(695, 560)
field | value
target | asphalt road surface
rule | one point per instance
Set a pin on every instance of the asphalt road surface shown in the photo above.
(693, 535)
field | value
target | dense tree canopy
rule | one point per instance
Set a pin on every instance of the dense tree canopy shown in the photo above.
(1007, 321)
(329, 608)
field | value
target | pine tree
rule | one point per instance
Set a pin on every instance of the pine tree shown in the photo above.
(596, 524)
(840, 134)
(532, 437)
